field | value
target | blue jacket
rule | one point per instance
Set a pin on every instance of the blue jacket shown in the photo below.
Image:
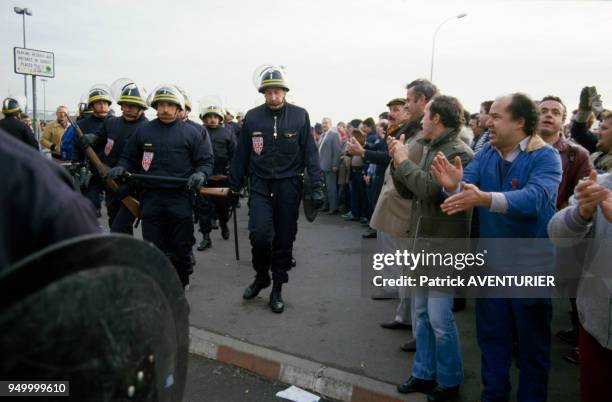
(530, 187)
(175, 149)
(275, 144)
(114, 134)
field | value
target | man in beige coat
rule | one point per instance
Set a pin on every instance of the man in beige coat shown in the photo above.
(391, 217)
(52, 136)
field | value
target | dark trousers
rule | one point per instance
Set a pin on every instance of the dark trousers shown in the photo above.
(273, 214)
(359, 202)
(496, 322)
(207, 208)
(595, 373)
(120, 219)
(93, 192)
(167, 222)
(377, 183)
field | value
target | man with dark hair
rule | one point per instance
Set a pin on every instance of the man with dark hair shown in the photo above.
(574, 158)
(383, 116)
(437, 367)
(602, 159)
(483, 117)
(476, 129)
(513, 183)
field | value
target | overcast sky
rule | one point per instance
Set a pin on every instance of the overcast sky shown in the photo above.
(345, 58)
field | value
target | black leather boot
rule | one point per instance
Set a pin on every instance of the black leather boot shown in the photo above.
(225, 233)
(254, 288)
(276, 300)
(205, 243)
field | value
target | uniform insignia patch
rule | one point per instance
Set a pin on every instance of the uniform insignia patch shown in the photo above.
(108, 147)
(258, 144)
(147, 158)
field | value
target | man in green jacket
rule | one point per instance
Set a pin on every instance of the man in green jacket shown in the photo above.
(437, 368)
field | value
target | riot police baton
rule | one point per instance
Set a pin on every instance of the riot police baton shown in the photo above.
(222, 178)
(235, 232)
(214, 191)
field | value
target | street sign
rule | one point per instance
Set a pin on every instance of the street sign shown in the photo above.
(34, 62)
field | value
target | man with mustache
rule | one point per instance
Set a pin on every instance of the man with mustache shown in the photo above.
(113, 136)
(167, 146)
(275, 145)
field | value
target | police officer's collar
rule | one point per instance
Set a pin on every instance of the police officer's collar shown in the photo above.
(98, 118)
(276, 111)
(172, 123)
(139, 119)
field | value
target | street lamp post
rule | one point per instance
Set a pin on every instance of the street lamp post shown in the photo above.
(433, 45)
(24, 12)
(44, 81)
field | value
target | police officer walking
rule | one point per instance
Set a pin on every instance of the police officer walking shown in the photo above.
(113, 137)
(223, 150)
(99, 101)
(274, 146)
(12, 124)
(167, 146)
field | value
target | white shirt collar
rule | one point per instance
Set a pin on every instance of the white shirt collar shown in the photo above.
(521, 147)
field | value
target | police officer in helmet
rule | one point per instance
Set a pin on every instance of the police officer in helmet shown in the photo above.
(223, 150)
(99, 101)
(12, 124)
(167, 146)
(275, 145)
(113, 136)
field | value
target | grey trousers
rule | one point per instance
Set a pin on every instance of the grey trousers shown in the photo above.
(389, 244)
(331, 185)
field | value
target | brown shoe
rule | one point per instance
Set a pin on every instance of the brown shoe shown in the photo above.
(409, 346)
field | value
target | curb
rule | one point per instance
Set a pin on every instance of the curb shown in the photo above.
(326, 381)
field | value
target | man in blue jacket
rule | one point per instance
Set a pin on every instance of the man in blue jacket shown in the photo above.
(513, 182)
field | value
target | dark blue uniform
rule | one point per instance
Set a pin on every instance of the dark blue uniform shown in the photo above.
(177, 150)
(39, 205)
(274, 147)
(93, 192)
(223, 142)
(234, 128)
(112, 138)
(19, 130)
(201, 129)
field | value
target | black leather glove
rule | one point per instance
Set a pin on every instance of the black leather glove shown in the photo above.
(86, 140)
(196, 180)
(116, 172)
(318, 195)
(586, 104)
(233, 197)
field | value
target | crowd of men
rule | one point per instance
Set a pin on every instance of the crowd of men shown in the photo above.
(515, 169)
(425, 168)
